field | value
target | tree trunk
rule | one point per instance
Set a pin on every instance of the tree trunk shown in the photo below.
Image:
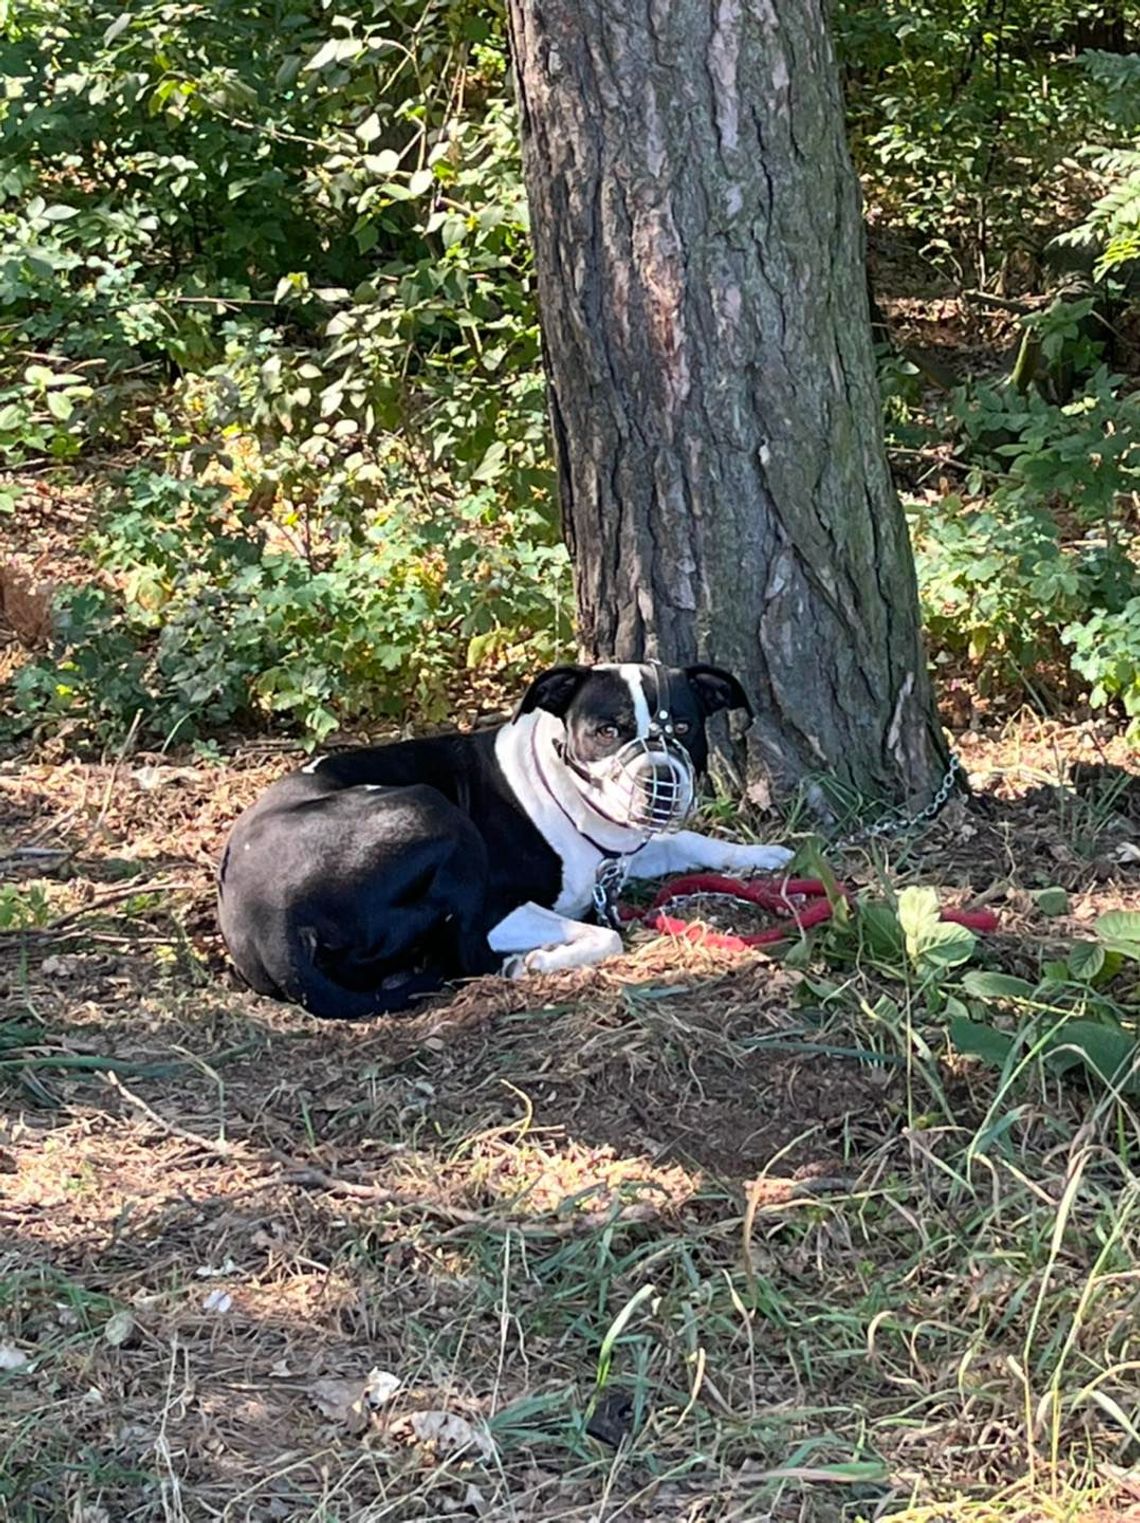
(716, 418)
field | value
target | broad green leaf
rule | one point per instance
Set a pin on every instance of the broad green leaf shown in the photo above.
(997, 986)
(327, 53)
(491, 465)
(1109, 1051)
(979, 1040)
(117, 28)
(944, 945)
(1052, 901)
(918, 911)
(382, 164)
(1120, 930)
(1086, 960)
(882, 933)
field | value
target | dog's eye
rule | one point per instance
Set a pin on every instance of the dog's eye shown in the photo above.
(681, 727)
(607, 732)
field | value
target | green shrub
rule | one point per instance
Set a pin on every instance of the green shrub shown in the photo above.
(1106, 651)
(1009, 578)
(959, 113)
(285, 258)
(217, 623)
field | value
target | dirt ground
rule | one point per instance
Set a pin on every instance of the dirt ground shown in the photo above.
(693, 1236)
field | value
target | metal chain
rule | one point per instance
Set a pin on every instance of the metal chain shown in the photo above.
(896, 824)
(609, 881)
(613, 871)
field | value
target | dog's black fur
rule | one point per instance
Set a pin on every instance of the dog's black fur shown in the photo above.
(359, 883)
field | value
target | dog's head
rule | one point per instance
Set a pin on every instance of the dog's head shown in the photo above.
(635, 735)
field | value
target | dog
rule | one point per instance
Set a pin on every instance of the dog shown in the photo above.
(373, 876)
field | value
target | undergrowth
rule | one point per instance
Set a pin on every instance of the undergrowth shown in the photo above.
(267, 282)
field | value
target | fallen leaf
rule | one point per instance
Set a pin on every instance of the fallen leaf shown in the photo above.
(12, 1358)
(119, 1329)
(472, 1500)
(450, 1433)
(66, 965)
(342, 1401)
(210, 1272)
(380, 1387)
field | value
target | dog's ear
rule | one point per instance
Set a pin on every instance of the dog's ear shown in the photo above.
(716, 689)
(553, 690)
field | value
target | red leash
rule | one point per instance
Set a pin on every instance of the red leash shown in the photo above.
(780, 901)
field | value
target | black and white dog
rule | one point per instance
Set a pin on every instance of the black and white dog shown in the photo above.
(372, 876)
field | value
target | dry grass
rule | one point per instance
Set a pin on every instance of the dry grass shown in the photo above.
(690, 1237)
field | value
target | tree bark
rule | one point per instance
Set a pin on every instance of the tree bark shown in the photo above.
(716, 417)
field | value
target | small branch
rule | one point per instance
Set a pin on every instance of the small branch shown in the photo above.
(218, 1146)
(587, 1221)
(1006, 303)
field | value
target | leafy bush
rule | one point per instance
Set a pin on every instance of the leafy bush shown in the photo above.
(1112, 227)
(1106, 651)
(217, 622)
(960, 112)
(288, 257)
(1068, 1018)
(1046, 553)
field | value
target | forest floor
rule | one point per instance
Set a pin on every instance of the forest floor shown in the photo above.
(697, 1235)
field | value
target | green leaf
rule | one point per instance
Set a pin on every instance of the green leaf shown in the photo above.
(1120, 930)
(979, 1040)
(1086, 960)
(382, 164)
(882, 933)
(944, 945)
(1109, 1051)
(491, 465)
(917, 910)
(117, 28)
(997, 986)
(932, 944)
(1052, 901)
(335, 49)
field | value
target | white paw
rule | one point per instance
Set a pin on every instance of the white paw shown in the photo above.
(583, 952)
(760, 859)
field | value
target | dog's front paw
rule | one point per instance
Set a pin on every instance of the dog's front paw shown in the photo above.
(760, 859)
(589, 945)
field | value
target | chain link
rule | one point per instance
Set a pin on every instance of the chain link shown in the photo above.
(896, 823)
(609, 880)
(612, 873)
